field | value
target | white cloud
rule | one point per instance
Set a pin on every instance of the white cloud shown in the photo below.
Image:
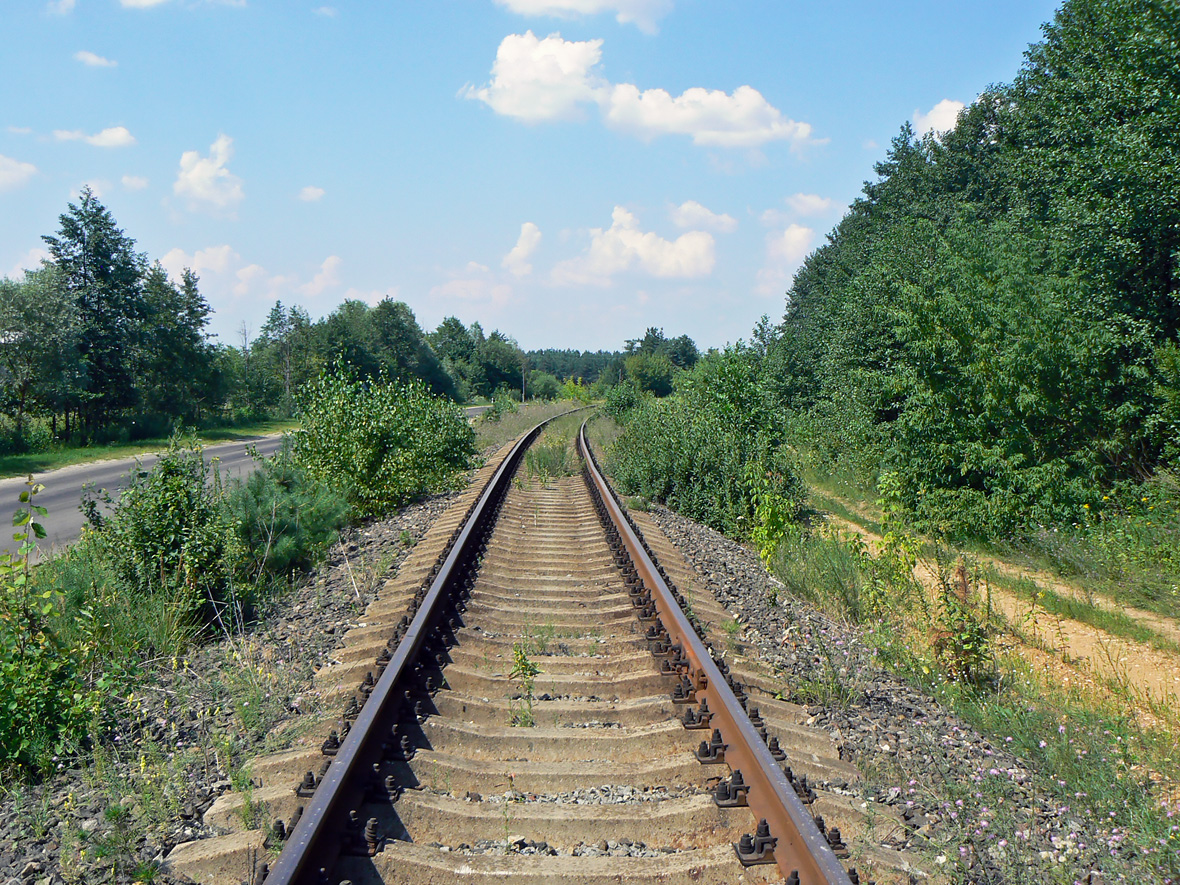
(223, 271)
(551, 79)
(134, 182)
(94, 61)
(205, 181)
(311, 193)
(325, 279)
(19, 130)
(114, 136)
(327, 12)
(474, 290)
(785, 251)
(809, 204)
(642, 13)
(623, 246)
(870, 145)
(14, 173)
(940, 118)
(60, 7)
(31, 260)
(534, 80)
(516, 261)
(140, 4)
(709, 116)
(214, 259)
(693, 214)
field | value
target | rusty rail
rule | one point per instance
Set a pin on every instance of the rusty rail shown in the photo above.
(316, 839)
(798, 847)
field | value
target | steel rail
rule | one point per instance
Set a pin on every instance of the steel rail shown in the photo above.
(799, 845)
(315, 841)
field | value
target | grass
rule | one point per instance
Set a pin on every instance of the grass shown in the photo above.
(1088, 759)
(510, 426)
(39, 462)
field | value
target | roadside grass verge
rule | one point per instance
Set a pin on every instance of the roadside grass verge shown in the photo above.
(64, 456)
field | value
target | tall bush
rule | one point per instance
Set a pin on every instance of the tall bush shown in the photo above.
(380, 444)
(713, 451)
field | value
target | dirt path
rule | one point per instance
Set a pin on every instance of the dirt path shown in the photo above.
(1149, 674)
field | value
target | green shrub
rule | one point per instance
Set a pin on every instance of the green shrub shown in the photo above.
(284, 524)
(380, 444)
(622, 399)
(44, 705)
(170, 533)
(713, 451)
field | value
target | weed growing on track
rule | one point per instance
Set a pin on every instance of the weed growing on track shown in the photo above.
(523, 674)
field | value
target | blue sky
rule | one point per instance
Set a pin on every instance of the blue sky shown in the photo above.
(568, 171)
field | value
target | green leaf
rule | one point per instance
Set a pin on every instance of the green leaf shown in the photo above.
(39, 530)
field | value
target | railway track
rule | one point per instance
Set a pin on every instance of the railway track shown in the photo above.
(544, 693)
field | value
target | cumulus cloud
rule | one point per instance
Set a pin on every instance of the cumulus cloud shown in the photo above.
(225, 273)
(31, 260)
(940, 118)
(215, 259)
(205, 181)
(94, 61)
(311, 193)
(785, 251)
(112, 137)
(134, 182)
(140, 4)
(644, 14)
(623, 247)
(324, 279)
(327, 12)
(693, 214)
(516, 261)
(809, 204)
(709, 116)
(474, 290)
(60, 7)
(534, 80)
(14, 173)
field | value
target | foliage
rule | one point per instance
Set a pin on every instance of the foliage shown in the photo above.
(713, 451)
(544, 386)
(524, 675)
(382, 443)
(170, 533)
(43, 703)
(502, 404)
(622, 400)
(995, 321)
(283, 523)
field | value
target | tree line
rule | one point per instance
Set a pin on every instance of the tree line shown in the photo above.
(99, 344)
(995, 320)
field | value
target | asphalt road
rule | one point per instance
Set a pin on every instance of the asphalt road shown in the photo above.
(63, 487)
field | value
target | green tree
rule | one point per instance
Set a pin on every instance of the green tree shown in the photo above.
(102, 271)
(39, 362)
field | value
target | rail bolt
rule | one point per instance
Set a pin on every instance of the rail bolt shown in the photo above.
(759, 848)
(712, 752)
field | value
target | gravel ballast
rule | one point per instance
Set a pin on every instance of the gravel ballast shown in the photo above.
(915, 754)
